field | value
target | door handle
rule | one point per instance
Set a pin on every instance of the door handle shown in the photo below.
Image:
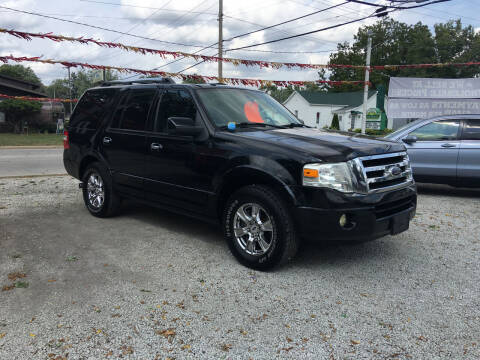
(107, 140)
(448, 145)
(156, 146)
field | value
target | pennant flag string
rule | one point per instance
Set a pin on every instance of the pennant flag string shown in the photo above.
(233, 81)
(162, 53)
(205, 58)
(28, 98)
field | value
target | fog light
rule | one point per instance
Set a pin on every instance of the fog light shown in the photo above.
(343, 220)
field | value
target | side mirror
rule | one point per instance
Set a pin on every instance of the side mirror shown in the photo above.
(410, 139)
(183, 126)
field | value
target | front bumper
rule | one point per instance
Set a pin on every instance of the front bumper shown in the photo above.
(369, 216)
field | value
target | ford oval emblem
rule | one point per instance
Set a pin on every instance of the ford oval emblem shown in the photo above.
(395, 171)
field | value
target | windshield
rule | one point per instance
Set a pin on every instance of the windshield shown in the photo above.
(244, 107)
(400, 129)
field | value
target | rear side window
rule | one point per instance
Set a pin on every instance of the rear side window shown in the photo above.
(91, 109)
(437, 131)
(471, 131)
(132, 113)
(175, 103)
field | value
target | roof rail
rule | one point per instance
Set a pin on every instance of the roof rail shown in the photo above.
(157, 80)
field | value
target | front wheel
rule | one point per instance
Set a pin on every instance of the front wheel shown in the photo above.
(259, 228)
(98, 194)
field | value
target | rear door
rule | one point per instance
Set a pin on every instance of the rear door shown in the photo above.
(434, 155)
(468, 172)
(123, 141)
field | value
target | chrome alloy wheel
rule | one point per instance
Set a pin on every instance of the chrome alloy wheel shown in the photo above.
(253, 229)
(95, 190)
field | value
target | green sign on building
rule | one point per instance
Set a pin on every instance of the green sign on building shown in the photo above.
(375, 119)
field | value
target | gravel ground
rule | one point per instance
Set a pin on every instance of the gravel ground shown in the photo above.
(152, 285)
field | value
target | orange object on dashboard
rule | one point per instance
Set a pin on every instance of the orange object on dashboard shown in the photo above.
(251, 112)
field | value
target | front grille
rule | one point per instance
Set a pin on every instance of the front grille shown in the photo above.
(394, 207)
(386, 171)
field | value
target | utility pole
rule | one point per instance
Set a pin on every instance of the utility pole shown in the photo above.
(104, 75)
(367, 79)
(220, 39)
(70, 90)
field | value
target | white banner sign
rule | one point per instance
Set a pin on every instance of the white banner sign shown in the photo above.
(425, 108)
(426, 88)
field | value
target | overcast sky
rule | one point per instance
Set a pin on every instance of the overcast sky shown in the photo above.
(194, 22)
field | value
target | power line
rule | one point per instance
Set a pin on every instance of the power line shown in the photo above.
(262, 29)
(395, 6)
(306, 33)
(343, 13)
(380, 12)
(279, 30)
(99, 27)
(248, 33)
(178, 18)
(286, 22)
(290, 52)
(143, 20)
(142, 7)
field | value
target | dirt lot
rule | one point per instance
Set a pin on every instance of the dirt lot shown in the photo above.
(152, 285)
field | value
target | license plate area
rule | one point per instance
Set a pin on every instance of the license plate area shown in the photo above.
(400, 223)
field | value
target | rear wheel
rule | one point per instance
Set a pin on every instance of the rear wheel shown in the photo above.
(259, 228)
(98, 194)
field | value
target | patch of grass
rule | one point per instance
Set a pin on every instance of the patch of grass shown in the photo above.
(30, 140)
(21, 284)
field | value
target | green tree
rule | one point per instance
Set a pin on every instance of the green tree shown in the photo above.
(278, 93)
(455, 43)
(83, 80)
(20, 72)
(281, 94)
(17, 111)
(335, 123)
(58, 89)
(395, 42)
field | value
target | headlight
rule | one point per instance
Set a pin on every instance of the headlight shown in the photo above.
(337, 176)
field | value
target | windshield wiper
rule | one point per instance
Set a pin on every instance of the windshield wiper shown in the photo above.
(294, 125)
(245, 125)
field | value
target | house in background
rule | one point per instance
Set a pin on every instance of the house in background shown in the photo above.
(317, 108)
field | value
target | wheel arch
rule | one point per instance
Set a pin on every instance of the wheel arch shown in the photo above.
(87, 160)
(247, 175)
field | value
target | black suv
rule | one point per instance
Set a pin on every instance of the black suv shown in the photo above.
(239, 158)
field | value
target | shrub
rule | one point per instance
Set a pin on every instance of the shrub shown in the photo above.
(335, 123)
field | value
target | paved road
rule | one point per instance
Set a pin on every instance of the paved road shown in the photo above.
(21, 162)
(148, 284)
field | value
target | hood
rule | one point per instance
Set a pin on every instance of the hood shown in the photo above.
(327, 146)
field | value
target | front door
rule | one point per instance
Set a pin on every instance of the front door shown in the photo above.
(468, 172)
(175, 165)
(434, 155)
(123, 142)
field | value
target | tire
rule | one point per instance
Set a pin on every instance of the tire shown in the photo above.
(96, 180)
(243, 223)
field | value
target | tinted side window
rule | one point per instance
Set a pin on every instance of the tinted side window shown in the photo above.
(437, 131)
(93, 105)
(135, 110)
(471, 131)
(175, 103)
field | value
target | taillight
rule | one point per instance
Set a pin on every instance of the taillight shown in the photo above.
(66, 140)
